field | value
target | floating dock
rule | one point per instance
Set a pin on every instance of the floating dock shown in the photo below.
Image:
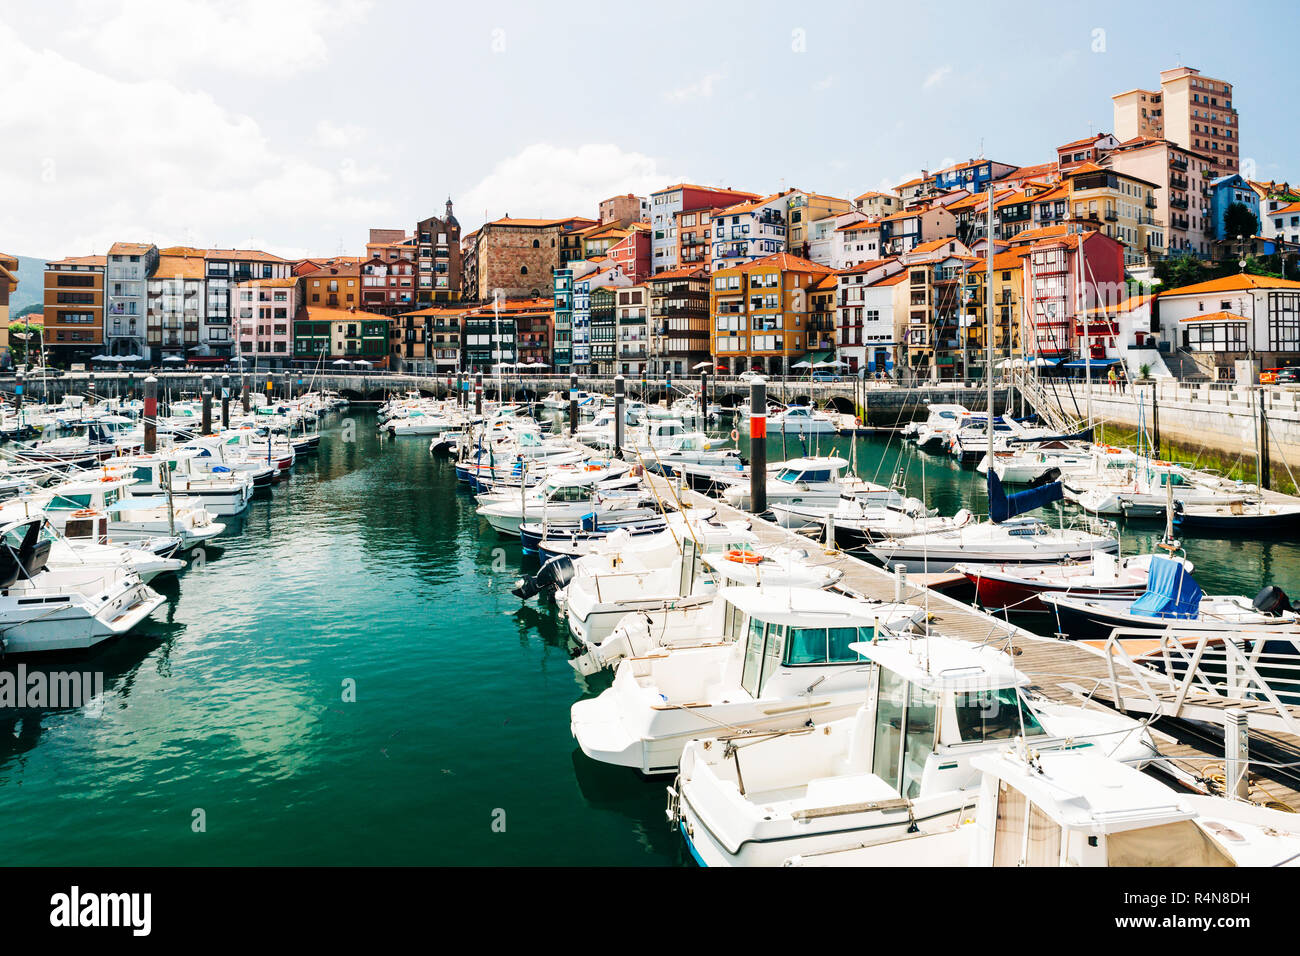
(1073, 671)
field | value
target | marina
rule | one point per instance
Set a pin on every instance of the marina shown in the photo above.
(389, 516)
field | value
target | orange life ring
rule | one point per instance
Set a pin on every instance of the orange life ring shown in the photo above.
(109, 478)
(83, 513)
(735, 435)
(744, 557)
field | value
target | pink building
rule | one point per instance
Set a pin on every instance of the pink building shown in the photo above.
(263, 327)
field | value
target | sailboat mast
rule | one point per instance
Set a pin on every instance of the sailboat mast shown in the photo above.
(1080, 308)
(988, 323)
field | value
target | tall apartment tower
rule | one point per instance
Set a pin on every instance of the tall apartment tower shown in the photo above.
(1189, 109)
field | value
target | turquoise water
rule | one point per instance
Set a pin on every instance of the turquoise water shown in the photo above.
(370, 566)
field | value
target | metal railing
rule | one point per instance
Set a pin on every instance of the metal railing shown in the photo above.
(1195, 673)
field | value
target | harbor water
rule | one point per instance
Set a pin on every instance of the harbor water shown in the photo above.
(347, 679)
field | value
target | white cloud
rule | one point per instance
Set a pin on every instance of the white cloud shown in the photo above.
(333, 136)
(146, 38)
(701, 89)
(93, 159)
(824, 84)
(937, 77)
(552, 181)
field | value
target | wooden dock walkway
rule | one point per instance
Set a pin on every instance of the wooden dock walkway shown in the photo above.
(1059, 670)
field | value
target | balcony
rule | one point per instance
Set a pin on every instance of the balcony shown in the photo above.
(1151, 202)
(1112, 215)
(1176, 163)
(1177, 182)
(1178, 203)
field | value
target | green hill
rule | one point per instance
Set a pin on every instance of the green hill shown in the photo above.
(31, 285)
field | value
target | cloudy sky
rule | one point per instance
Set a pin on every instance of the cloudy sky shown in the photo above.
(294, 125)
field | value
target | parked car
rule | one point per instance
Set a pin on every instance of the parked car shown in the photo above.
(1287, 376)
(749, 376)
(1268, 376)
(825, 376)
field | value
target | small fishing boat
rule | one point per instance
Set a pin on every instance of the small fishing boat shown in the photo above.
(1019, 587)
(1237, 518)
(1172, 597)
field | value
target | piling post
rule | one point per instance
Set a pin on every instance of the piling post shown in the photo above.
(206, 428)
(243, 389)
(1155, 420)
(150, 415)
(478, 392)
(90, 389)
(573, 403)
(225, 401)
(758, 445)
(1264, 467)
(1236, 763)
(619, 399)
(18, 390)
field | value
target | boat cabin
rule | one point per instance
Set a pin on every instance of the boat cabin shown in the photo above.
(807, 471)
(1082, 809)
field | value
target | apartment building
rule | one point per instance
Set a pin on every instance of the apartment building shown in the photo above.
(130, 265)
(1181, 183)
(679, 320)
(695, 238)
(438, 259)
(74, 308)
(225, 268)
(388, 286)
(1121, 206)
(666, 203)
(264, 316)
(323, 336)
(1191, 110)
(172, 326)
(428, 341)
(631, 313)
(748, 231)
(624, 210)
(865, 335)
(518, 257)
(760, 312)
(803, 209)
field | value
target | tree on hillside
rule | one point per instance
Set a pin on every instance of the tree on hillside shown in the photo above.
(1238, 220)
(1180, 271)
(24, 335)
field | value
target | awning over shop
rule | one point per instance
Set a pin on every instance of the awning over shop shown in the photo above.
(1084, 363)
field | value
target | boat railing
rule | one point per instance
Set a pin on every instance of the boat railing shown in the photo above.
(1181, 672)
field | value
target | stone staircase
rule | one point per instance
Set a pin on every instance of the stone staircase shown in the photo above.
(1183, 367)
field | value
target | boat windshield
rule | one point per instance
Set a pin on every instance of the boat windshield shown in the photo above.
(994, 715)
(825, 645)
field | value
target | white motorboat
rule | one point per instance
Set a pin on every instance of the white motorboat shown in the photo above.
(806, 675)
(562, 496)
(810, 482)
(800, 420)
(68, 607)
(901, 764)
(1080, 808)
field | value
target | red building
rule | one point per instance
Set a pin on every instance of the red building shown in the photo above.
(1065, 275)
(632, 253)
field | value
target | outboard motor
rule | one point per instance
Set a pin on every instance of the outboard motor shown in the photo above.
(1046, 478)
(555, 573)
(1272, 600)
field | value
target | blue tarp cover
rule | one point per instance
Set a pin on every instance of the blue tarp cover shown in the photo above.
(1171, 591)
(1003, 506)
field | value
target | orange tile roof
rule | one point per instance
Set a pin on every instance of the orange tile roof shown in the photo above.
(1086, 141)
(268, 283)
(826, 282)
(711, 189)
(439, 310)
(318, 313)
(129, 248)
(525, 223)
(183, 267)
(932, 245)
(252, 255)
(860, 224)
(890, 280)
(1128, 305)
(1293, 207)
(1240, 282)
(684, 272)
(867, 266)
(1216, 317)
(868, 195)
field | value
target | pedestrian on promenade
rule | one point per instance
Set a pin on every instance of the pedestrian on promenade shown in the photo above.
(1113, 377)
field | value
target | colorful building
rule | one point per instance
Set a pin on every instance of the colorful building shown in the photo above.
(679, 320)
(666, 203)
(130, 265)
(74, 308)
(324, 335)
(760, 313)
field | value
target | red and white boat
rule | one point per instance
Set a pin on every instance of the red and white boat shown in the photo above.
(1016, 587)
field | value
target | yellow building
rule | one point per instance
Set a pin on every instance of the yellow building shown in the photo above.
(802, 210)
(1118, 205)
(761, 311)
(1007, 278)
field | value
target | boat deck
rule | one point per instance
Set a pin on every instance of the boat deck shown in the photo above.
(1060, 670)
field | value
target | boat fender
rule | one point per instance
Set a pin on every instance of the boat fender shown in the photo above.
(1272, 600)
(961, 518)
